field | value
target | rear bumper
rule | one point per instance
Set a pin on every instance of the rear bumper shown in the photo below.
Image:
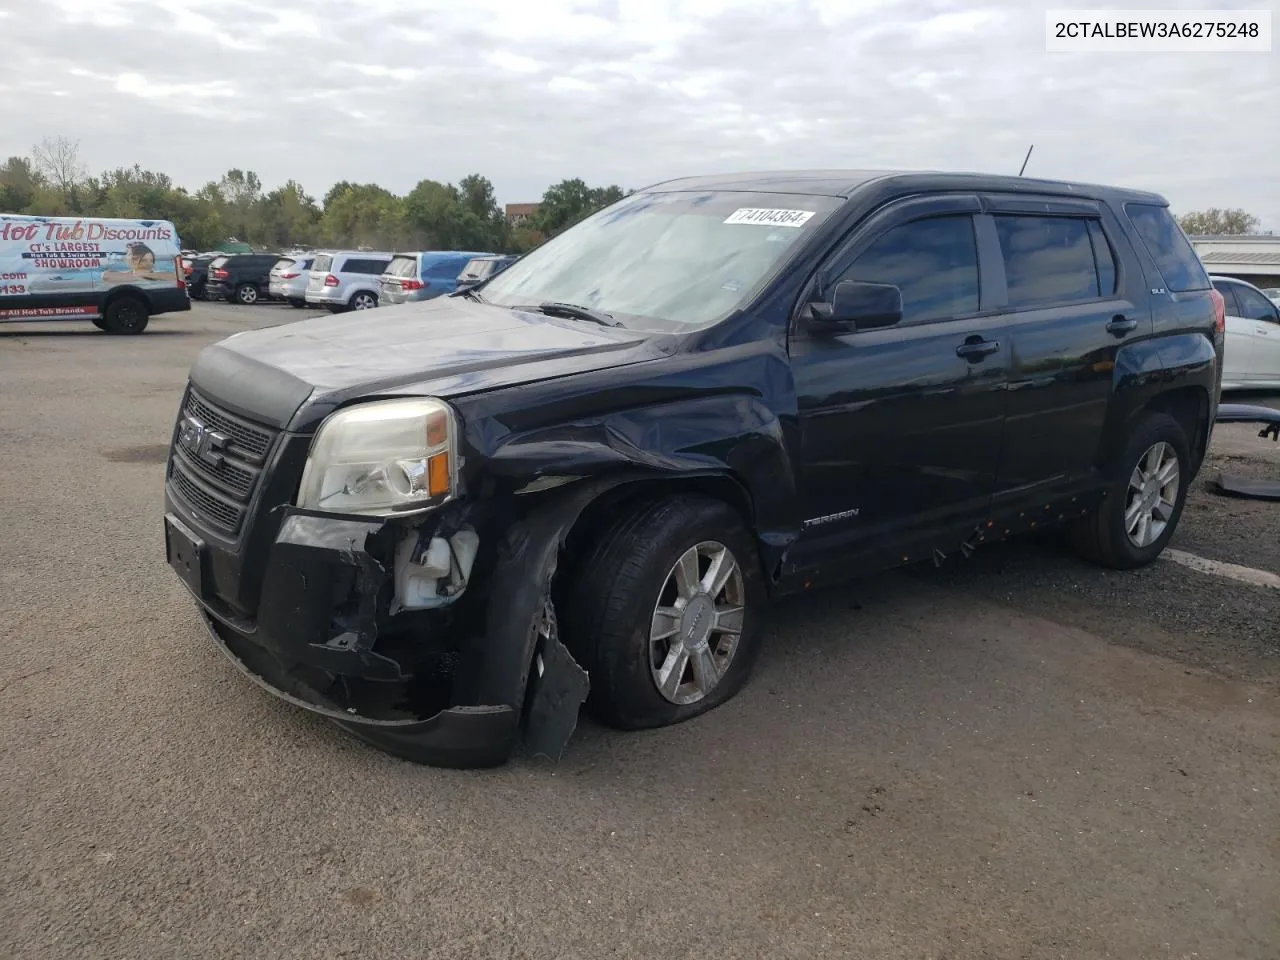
(326, 299)
(169, 301)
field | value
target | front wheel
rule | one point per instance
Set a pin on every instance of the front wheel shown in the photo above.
(665, 615)
(1140, 511)
(363, 301)
(125, 315)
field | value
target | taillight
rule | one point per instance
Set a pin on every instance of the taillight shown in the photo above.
(330, 281)
(412, 285)
(290, 276)
(220, 274)
(182, 281)
(1220, 308)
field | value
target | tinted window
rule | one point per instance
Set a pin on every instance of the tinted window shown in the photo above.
(1047, 260)
(1253, 305)
(365, 266)
(1169, 247)
(323, 262)
(1228, 294)
(304, 264)
(444, 269)
(217, 261)
(1104, 257)
(402, 266)
(933, 262)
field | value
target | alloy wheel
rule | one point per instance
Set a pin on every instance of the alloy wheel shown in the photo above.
(697, 623)
(1152, 495)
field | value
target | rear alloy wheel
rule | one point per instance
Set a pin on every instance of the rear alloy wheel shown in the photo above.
(247, 294)
(1138, 514)
(665, 611)
(363, 301)
(125, 315)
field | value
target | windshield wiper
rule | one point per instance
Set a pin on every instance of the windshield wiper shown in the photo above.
(554, 308)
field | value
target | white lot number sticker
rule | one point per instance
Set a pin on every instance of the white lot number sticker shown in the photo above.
(770, 217)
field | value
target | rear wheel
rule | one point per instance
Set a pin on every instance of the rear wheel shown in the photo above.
(297, 303)
(247, 294)
(1140, 511)
(125, 315)
(362, 301)
(665, 615)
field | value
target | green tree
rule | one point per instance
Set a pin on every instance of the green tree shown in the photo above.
(570, 201)
(366, 215)
(289, 216)
(19, 183)
(1215, 221)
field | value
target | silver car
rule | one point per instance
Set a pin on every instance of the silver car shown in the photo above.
(346, 279)
(424, 275)
(288, 278)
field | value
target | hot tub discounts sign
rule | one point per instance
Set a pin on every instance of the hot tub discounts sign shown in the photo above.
(43, 256)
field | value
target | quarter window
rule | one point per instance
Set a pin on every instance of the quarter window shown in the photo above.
(1047, 260)
(1228, 294)
(934, 262)
(1169, 247)
(1253, 305)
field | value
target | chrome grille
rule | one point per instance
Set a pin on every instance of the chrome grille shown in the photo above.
(216, 460)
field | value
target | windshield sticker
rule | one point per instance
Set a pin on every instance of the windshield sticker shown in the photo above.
(770, 217)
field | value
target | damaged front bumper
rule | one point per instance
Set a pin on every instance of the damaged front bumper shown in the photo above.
(461, 684)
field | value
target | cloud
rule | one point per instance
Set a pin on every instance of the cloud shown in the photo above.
(627, 92)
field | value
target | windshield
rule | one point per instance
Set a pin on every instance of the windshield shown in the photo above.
(665, 261)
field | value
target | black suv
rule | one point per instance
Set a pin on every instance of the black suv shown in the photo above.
(448, 525)
(195, 268)
(242, 277)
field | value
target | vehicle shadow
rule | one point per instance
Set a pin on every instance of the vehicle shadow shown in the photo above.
(77, 334)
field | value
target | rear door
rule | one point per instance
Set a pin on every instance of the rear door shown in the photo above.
(1073, 296)
(319, 270)
(1262, 320)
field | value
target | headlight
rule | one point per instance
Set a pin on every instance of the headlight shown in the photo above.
(382, 457)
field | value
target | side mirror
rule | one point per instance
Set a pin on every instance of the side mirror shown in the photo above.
(858, 306)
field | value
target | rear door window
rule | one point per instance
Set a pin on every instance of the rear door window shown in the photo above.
(365, 266)
(1047, 260)
(934, 262)
(1168, 246)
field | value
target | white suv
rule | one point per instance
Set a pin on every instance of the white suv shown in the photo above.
(347, 279)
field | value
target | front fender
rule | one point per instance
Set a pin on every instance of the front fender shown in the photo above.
(732, 435)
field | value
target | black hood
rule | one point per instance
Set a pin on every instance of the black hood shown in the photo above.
(443, 347)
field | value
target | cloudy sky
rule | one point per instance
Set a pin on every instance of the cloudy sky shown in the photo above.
(627, 91)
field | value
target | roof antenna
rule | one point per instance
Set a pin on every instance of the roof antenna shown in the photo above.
(1026, 158)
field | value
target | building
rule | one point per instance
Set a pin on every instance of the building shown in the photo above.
(518, 213)
(1253, 258)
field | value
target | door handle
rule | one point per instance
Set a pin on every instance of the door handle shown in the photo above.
(975, 349)
(1120, 325)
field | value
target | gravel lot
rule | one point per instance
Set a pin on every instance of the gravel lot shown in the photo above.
(1014, 756)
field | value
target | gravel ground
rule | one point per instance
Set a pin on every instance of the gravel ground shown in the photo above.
(1013, 756)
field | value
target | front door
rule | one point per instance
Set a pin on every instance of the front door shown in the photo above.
(1262, 320)
(901, 426)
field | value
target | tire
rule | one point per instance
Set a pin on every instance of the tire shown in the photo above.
(125, 315)
(363, 300)
(612, 607)
(198, 292)
(1104, 537)
(247, 294)
(99, 323)
(297, 304)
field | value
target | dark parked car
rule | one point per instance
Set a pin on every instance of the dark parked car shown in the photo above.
(242, 277)
(449, 525)
(482, 268)
(196, 273)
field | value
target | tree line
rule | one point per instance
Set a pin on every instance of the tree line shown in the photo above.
(53, 181)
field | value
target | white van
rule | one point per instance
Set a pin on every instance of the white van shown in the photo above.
(117, 273)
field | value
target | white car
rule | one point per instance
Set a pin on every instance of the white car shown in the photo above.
(347, 279)
(1252, 359)
(288, 278)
